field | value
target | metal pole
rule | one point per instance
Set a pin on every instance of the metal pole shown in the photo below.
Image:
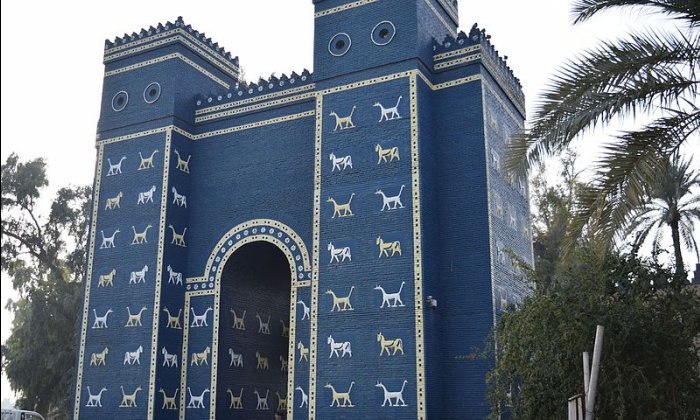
(586, 373)
(593, 385)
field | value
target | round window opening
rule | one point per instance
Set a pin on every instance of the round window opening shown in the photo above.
(339, 44)
(383, 33)
(151, 93)
(119, 100)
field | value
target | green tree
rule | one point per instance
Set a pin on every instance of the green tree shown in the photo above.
(670, 201)
(650, 366)
(650, 72)
(45, 258)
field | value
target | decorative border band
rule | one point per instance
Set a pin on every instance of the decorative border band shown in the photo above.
(88, 281)
(276, 102)
(343, 8)
(165, 58)
(111, 51)
(452, 63)
(417, 258)
(222, 65)
(242, 102)
(159, 274)
(455, 53)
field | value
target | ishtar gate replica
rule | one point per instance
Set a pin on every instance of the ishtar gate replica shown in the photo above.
(324, 244)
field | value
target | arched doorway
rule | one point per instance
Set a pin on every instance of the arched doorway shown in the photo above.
(254, 332)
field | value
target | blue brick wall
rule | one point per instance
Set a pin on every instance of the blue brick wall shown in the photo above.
(258, 163)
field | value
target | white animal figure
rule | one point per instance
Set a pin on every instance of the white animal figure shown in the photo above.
(129, 400)
(169, 359)
(200, 320)
(342, 123)
(169, 402)
(179, 199)
(196, 401)
(135, 319)
(262, 402)
(307, 310)
(178, 238)
(391, 299)
(264, 327)
(236, 358)
(146, 196)
(94, 400)
(386, 345)
(138, 276)
(283, 364)
(285, 328)
(385, 247)
(106, 279)
(281, 402)
(115, 168)
(183, 165)
(236, 400)
(345, 346)
(341, 396)
(389, 113)
(174, 276)
(140, 237)
(173, 321)
(147, 162)
(238, 322)
(200, 358)
(393, 202)
(341, 303)
(341, 210)
(303, 351)
(108, 241)
(114, 202)
(304, 397)
(337, 253)
(396, 396)
(263, 362)
(100, 321)
(100, 358)
(384, 154)
(345, 161)
(133, 357)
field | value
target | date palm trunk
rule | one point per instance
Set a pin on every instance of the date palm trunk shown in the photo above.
(675, 234)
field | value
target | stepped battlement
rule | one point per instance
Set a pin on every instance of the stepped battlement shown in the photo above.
(245, 92)
(478, 44)
(170, 32)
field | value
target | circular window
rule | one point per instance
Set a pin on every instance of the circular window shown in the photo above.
(151, 93)
(339, 44)
(120, 100)
(383, 33)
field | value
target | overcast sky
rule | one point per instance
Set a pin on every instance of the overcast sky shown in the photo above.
(52, 62)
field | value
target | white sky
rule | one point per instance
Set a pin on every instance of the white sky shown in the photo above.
(52, 62)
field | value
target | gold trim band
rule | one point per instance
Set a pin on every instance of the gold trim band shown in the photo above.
(343, 8)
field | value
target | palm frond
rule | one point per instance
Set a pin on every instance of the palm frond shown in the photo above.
(683, 9)
(623, 77)
(686, 231)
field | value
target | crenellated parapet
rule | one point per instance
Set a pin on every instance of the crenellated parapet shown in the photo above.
(247, 96)
(476, 46)
(170, 33)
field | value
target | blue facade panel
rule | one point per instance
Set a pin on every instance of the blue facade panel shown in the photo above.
(376, 180)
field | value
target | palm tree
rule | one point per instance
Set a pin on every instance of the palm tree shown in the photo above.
(650, 72)
(670, 201)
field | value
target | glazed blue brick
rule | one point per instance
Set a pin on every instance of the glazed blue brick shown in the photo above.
(248, 153)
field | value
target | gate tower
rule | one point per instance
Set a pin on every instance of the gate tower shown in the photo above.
(324, 244)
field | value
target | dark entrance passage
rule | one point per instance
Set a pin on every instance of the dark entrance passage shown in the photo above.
(253, 333)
